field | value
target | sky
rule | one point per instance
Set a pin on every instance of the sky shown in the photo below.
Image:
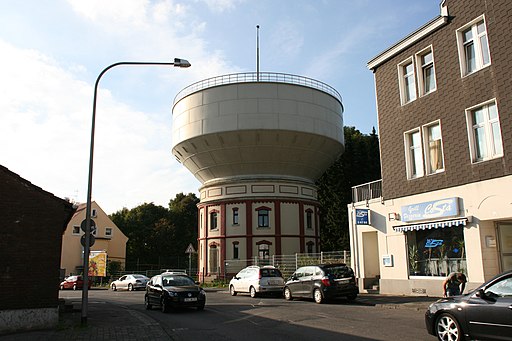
(52, 52)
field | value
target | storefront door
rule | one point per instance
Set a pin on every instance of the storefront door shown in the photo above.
(505, 239)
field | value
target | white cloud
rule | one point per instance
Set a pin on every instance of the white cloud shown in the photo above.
(45, 131)
(222, 5)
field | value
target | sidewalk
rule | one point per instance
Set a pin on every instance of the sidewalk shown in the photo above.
(116, 322)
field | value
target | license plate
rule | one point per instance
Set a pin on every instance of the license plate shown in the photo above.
(190, 299)
(343, 281)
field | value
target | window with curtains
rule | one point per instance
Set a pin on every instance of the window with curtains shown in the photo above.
(434, 148)
(485, 132)
(424, 150)
(436, 251)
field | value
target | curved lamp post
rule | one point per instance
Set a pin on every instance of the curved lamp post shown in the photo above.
(178, 62)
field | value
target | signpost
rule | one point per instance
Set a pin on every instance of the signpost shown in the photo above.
(190, 250)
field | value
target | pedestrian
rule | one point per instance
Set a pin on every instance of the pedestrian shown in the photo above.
(454, 284)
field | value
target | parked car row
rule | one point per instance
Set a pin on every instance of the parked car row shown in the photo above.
(319, 282)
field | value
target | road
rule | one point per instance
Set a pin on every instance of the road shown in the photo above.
(245, 318)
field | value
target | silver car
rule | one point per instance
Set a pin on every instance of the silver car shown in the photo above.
(257, 280)
(130, 282)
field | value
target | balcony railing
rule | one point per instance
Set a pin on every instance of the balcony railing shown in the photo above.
(367, 191)
(254, 77)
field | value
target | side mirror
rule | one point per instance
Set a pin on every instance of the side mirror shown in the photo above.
(197, 282)
(480, 293)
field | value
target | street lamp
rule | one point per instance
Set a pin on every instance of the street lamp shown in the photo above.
(178, 62)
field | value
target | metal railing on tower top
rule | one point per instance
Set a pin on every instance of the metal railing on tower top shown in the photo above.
(255, 77)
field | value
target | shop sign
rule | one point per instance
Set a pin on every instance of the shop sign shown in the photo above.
(362, 216)
(442, 208)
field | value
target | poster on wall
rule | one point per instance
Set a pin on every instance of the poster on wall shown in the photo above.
(98, 263)
(362, 216)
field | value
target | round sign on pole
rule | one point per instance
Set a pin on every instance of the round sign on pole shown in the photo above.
(91, 240)
(84, 222)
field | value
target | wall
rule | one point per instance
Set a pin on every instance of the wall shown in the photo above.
(30, 240)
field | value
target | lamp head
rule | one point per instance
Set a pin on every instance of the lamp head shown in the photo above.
(178, 62)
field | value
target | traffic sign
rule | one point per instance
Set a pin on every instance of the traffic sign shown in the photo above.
(93, 225)
(190, 249)
(91, 240)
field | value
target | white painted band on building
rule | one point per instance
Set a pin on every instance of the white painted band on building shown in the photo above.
(431, 225)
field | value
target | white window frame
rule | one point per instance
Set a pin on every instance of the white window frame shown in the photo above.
(487, 126)
(409, 149)
(420, 68)
(478, 49)
(426, 152)
(109, 231)
(93, 213)
(401, 81)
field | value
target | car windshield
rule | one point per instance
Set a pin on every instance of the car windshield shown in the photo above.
(139, 276)
(270, 273)
(176, 281)
(341, 271)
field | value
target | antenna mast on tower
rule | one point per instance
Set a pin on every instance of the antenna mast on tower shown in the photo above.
(258, 52)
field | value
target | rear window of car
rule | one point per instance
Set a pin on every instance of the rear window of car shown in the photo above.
(270, 273)
(341, 271)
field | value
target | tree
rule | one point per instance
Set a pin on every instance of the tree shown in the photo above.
(360, 163)
(158, 237)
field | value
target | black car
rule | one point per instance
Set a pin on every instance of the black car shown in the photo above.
(483, 314)
(172, 290)
(322, 282)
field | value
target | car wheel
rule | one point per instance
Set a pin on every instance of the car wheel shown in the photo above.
(74, 286)
(114, 287)
(252, 291)
(164, 306)
(447, 328)
(351, 297)
(232, 290)
(317, 295)
(130, 287)
(288, 294)
(147, 305)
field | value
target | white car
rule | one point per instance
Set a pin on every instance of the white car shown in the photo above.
(257, 280)
(130, 282)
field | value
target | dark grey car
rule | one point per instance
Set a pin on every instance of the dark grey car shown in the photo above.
(322, 282)
(483, 314)
(172, 290)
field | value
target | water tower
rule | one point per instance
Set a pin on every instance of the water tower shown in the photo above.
(257, 142)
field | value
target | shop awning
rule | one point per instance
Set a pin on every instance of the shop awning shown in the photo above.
(431, 225)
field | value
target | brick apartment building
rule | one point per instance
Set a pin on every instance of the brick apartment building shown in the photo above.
(30, 242)
(445, 125)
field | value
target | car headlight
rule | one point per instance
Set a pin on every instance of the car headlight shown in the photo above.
(202, 292)
(173, 294)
